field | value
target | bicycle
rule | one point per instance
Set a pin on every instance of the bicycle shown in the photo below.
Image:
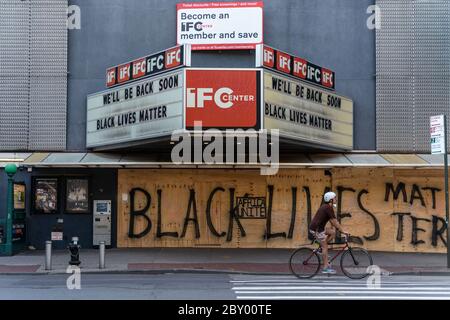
(305, 262)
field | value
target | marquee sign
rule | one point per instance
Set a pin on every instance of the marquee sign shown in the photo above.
(297, 67)
(145, 109)
(152, 64)
(307, 113)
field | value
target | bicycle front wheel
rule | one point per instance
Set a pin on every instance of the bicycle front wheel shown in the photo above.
(304, 263)
(355, 263)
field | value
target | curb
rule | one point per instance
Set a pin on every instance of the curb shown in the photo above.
(156, 271)
(207, 271)
(422, 273)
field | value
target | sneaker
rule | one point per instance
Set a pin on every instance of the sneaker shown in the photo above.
(329, 271)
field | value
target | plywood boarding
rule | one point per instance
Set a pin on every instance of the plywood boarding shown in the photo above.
(175, 186)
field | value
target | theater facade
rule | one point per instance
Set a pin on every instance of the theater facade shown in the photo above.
(209, 126)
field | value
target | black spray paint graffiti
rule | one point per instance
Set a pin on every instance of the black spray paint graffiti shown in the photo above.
(193, 204)
(438, 224)
(416, 194)
(436, 232)
(136, 213)
(269, 234)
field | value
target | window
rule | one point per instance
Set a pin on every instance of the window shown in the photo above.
(45, 195)
(77, 195)
(19, 196)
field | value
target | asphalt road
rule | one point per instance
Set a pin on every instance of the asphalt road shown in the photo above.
(195, 286)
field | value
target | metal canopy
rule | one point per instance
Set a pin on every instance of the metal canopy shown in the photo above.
(405, 159)
(136, 160)
(55, 158)
(366, 159)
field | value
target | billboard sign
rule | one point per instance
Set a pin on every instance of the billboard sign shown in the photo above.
(220, 25)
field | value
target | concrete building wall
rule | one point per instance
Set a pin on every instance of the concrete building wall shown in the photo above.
(33, 75)
(413, 72)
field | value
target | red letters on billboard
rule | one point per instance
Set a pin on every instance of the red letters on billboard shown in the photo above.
(269, 57)
(284, 62)
(327, 78)
(295, 66)
(300, 68)
(173, 57)
(147, 66)
(139, 68)
(124, 72)
(222, 98)
(111, 77)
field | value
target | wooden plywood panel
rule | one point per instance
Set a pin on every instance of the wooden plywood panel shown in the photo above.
(414, 202)
(362, 196)
(313, 180)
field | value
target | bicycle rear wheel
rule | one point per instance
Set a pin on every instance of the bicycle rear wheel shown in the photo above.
(304, 263)
(355, 263)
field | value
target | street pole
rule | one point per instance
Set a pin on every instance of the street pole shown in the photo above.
(102, 255)
(446, 190)
(48, 255)
(10, 170)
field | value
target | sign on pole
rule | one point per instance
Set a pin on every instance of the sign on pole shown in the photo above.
(438, 131)
(437, 135)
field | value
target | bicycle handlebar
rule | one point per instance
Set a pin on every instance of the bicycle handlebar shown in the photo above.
(346, 236)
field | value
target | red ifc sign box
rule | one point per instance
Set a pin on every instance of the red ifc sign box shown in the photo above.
(300, 68)
(173, 58)
(327, 78)
(269, 57)
(284, 62)
(139, 68)
(223, 98)
(124, 72)
(111, 77)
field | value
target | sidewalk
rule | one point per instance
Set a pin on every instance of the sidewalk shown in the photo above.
(252, 261)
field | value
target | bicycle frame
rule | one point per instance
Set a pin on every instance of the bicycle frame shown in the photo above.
(346, 246)
(313, 258)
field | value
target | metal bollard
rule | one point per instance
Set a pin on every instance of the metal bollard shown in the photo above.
(102, 255)
(48, 255)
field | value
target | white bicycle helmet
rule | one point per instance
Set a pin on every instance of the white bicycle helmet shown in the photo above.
(329, 196)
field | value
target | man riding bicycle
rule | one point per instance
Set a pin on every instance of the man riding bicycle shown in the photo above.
(325, 234)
